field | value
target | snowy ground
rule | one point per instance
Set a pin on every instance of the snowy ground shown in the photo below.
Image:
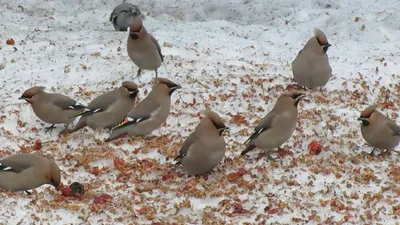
(230, 56)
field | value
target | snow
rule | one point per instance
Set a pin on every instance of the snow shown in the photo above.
(221, 49)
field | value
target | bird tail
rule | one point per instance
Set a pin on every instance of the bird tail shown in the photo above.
(81, 113)
(178, 159)
(78, 126)
(115, 135)
(248, 148)
(247, 141)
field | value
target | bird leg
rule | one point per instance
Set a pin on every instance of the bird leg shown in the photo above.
(29, 193)
(139, 72)
(47, 129)
(156, 73)
(372, 152)
(272, 158)
(322, 92)
(64, 131)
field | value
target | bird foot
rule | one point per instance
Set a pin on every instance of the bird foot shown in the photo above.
(29, 193)
(49, 129)
(272, 158)
(322, 92)
(138, 75)
(372, 152)
(204, 176)
(147, 137)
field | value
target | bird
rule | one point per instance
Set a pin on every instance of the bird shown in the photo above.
(149, 114)
(108, 109)
(50, 107)
(277, 126)
(143, 48)
(378, 130)
(204, 149)
(311, 67)
(123, 15)
(25, 171)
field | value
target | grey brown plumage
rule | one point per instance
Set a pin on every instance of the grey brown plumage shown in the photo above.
(51, 108)
(378, 130)
(108, 109)
(204, 149)
(311, 67)
(149, 114)
(123, 15)
(143, 48)
(277, 126)
(22, 172)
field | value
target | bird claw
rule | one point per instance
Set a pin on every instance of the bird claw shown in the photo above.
(322, 92)
(372, 152)
(48, 129)
(272, 158)
(29, 193)
(138, 74)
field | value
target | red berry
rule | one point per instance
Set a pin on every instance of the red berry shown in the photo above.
(314, 148)
(67, 192)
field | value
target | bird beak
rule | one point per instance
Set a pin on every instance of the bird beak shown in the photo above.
(56, 186)
(135, 13)
(364, 121)
(25, 98)
(133, 35)
(176, 87)
(224, 130)
(300, 97)
(133, 93)
(327, 45)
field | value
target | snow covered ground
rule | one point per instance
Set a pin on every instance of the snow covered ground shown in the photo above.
(232, 56)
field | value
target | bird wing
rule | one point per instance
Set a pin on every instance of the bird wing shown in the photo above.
(66, 103)
(99, 104)
(16, 167)
(265, 124)
(394, 127)
(157, 46)
(299, 52)
(190, 140)
(143, 111)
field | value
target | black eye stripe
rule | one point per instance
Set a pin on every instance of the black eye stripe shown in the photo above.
(171, 85)
(367, 116)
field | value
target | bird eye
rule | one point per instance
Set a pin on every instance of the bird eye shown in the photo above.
(319, 42)
(367, 116)
(295, 96)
